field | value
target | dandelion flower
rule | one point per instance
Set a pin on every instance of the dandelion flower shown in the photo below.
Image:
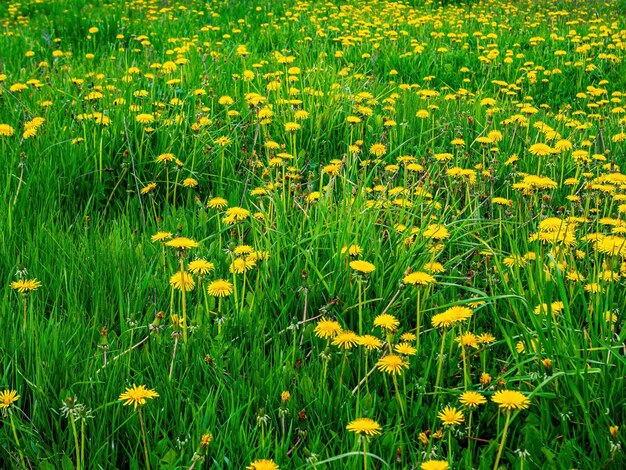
(510, 400)
(451, 316)
(182, 243)
(327, 329)
(450, 416)
(206, 439)
(24, 286)
(418, 278)
(200, 266)
(405, 349)
(435, 465)
(182, 280)
(362, 266)
(220, 288)
(378, 150)
(346, 340)
(386, 321)
(218, 203)
(263, 464)
(472, 399)
(8, 397)
(370, 342)
(137, 395)
(161, 236)
(364, 426)
(436, 232)
(391, 364)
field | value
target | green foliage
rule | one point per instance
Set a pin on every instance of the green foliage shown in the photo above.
(451, 100)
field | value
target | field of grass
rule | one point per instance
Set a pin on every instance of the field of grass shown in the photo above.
(316, 234)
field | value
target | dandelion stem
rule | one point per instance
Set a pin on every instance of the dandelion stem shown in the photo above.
(143, 435)
(173, 357)
(82, 441)
(17, 442)
(418, 324)
(395, 384)
(502, 441)
(440, 362)
(25, 302)
(184, 301)
(75, 433)
(343, 366)
(364, 453)
(360, 285)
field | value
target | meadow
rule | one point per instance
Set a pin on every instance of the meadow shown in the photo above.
(312, 234)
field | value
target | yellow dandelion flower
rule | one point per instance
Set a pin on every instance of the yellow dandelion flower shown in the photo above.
(137, 395)
(24, 286)
(472, 399)
(220, 288)
(361, 266)
(8, 397)
(263, 464)
(450, 416)
(418, 278)
(391, 364)
(182, 280)
(386, 322)
(346, 340)
(200, 266)
(327, 329)
(364, 426)
(510, 400)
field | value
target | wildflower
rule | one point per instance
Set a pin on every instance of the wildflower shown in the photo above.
(378, 150)
(220, 288)
(200, 266)
(364, 426)
(468, 340)
(147, 189)
(436, 232)
(190, 183)
(161, 236)
(408, 337)
(362, 266)
(370, 342)
(137, 395)
(144, 118)
(206, 439)
(353, 250)
(450, 416)
(25, 286)
(405, 349)
(8, 397)
(346, 340)
(263, 464)
(6, 130)
(386, 322)
(218, 203)
(418, 278)
(472, 399)
(391, 364)
(182, 243)
(435, 465)
(165, 158)
(510, 400)
(486, 338)
(540, 149)
(237, 213)
(241, 265)
(182, 280)
(451, 316)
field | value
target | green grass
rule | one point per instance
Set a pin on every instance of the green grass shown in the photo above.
(78, 216)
